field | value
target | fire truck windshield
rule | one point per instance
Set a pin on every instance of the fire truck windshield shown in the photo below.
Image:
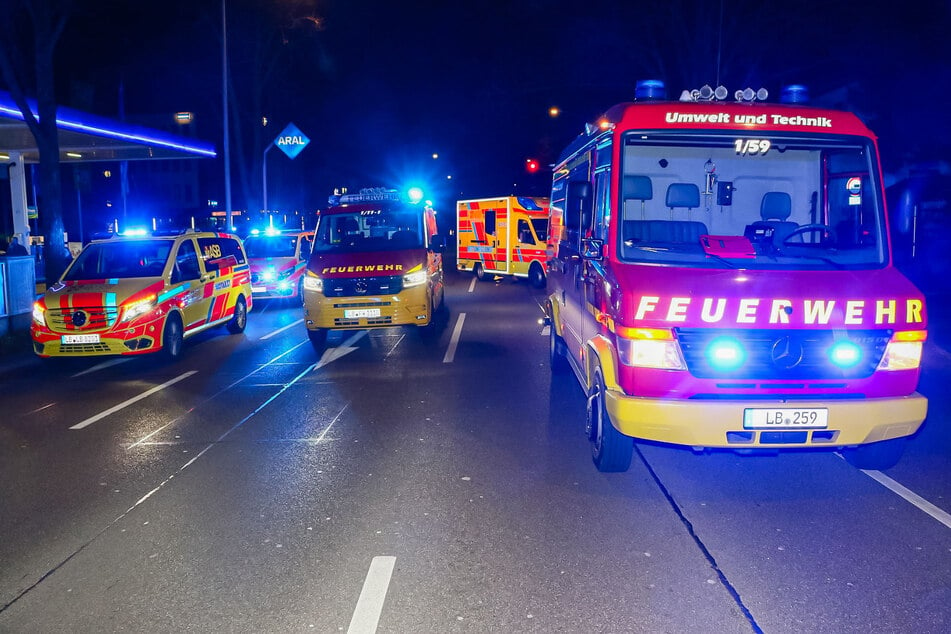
(376, 229)
(765, 201)
(120, 259)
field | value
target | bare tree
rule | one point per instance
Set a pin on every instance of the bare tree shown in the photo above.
(30, 31)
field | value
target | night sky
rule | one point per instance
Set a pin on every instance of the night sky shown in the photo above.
(380, 86)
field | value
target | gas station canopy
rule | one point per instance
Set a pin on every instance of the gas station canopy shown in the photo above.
(87, 137)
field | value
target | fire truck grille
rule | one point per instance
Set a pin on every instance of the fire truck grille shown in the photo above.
(360, 286)
(374, 321)
(89, 318)
(780, 355)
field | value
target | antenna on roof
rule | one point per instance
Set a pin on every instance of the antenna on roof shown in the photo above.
(719, 42)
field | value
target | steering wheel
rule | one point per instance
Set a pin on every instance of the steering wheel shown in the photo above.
(812, 228)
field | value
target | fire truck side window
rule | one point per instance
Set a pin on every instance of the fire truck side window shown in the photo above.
(602, 205)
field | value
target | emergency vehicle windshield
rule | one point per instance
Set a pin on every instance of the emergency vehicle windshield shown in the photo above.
(120, 259)
(754, 202)
(370, 229)
(275, 246)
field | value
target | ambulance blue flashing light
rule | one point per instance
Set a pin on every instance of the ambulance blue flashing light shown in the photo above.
(725, 354)
(650, 89)
(794, 93)
(134, 232)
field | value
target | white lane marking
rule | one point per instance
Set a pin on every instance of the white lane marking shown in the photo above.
(454, 340)
(241, 422)
(472, 284)
(40, 409)
(134, 399)
(366, 616)
(400, 339)
(216, 394)
(101, 366)
(910, 496)
(280, 330)
(332, 354)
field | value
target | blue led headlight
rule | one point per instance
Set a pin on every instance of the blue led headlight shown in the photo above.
(845, 354)
(725, 354)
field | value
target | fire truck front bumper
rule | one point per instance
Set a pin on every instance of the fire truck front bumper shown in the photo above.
(766, 424)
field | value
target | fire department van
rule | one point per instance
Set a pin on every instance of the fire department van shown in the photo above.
(278, 259)
(128, 295)
(720, 276)
(503, 236)
(376, 262)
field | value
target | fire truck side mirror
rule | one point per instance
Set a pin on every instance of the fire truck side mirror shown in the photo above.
(592, 249)
(437, 243)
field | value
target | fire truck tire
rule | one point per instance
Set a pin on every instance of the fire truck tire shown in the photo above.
(173, 337)
(610, 449)
(536, 275)
(239, 321)
(877, 455)
(557, 351)
(318, 339)
(479, 271)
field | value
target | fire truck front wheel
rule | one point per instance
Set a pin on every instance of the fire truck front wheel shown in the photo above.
(318, 339)
(875, 456)
(610, 449)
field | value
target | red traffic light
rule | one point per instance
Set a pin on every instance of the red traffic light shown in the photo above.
(531, 166)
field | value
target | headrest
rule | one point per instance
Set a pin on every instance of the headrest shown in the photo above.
(775, 206)
(636, 187)
(683, 195)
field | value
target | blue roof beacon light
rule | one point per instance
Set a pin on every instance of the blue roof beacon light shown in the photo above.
(647, 89)
(794, 93)
(415, 194)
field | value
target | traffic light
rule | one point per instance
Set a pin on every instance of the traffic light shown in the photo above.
(531, 166)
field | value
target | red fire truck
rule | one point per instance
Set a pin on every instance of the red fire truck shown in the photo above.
(720, 276)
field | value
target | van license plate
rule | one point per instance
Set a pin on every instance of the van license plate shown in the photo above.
(361, 313)
(80, 338)
(786, 418)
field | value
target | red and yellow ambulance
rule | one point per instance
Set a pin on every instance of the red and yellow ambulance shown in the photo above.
(503, 236)
(376, 262)
(278, 259)
(720, 276)
(139, 294)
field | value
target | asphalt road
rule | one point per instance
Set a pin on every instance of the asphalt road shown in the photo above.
(412, 484)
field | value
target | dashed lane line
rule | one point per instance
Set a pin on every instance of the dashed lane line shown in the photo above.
(366, 616)
(454, 340)
(112, 410)
(910, 496)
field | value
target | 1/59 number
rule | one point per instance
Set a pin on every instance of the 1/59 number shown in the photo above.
(751, 147)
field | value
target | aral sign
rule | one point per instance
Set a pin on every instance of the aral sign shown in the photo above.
(291, 141)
